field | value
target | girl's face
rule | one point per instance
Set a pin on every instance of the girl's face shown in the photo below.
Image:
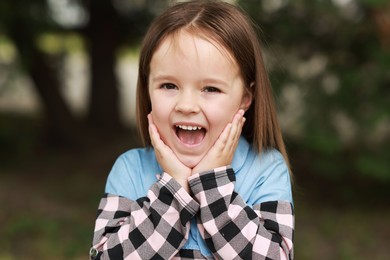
(195, 89)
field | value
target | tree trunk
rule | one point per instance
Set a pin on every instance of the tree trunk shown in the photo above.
(102, 34)
(63, 128)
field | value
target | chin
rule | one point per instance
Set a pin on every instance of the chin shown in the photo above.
(190, 162)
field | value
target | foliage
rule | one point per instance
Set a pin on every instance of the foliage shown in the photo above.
(43, 32)
(330, 64)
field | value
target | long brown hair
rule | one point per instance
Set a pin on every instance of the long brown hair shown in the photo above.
(229, 26)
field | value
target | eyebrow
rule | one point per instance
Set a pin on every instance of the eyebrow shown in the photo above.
(163, 78)
(203, 81)
(214, 81)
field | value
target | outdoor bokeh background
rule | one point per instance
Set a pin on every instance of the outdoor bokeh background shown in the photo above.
(67, 75)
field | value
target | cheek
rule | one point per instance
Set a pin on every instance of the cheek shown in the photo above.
(158, 103)
(160, 113)
(160, 117)
(218, 118)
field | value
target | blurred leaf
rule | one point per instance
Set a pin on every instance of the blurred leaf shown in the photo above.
(333, 53)
(375, 3)
(376, 166)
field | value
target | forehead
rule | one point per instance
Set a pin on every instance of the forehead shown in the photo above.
(182, 40)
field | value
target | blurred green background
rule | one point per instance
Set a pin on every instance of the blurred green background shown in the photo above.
(67, 75)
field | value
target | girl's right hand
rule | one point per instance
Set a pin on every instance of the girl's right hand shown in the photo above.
(167, 158)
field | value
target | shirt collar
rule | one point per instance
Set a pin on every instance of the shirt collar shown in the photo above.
(241, 154)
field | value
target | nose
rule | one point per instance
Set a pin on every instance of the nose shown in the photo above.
(187, 103)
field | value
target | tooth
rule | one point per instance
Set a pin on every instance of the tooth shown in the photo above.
(188, 127)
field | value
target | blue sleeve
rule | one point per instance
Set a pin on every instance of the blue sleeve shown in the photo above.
(275, 182)
(133, 173)
(120, 181)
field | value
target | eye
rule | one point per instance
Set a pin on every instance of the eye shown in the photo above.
(211, 89)
(168, 86)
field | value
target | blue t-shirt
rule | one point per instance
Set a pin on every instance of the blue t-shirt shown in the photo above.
(259, 178)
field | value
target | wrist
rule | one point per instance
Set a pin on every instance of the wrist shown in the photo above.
(199, 170)
(184, 184)
(181, 179)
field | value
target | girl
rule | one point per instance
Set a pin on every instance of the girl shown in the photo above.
(210, 183)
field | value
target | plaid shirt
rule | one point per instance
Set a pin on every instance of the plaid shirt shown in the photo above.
(157, 226)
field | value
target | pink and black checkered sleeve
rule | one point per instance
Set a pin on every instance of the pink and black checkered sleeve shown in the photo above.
(153, 227)
(234, 230)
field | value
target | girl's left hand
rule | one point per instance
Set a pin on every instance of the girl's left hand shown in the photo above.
(222, 152)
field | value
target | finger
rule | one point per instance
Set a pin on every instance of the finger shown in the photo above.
(243, 120)
(235, 130)
(224, 136)
(239, 129)
(240, 124)
(151, 128)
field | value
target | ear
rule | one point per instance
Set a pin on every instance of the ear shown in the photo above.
(247, 97)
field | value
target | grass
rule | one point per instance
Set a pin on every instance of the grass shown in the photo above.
(341, 233)
(48, 215)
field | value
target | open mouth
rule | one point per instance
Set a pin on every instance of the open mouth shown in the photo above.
(190, 135)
